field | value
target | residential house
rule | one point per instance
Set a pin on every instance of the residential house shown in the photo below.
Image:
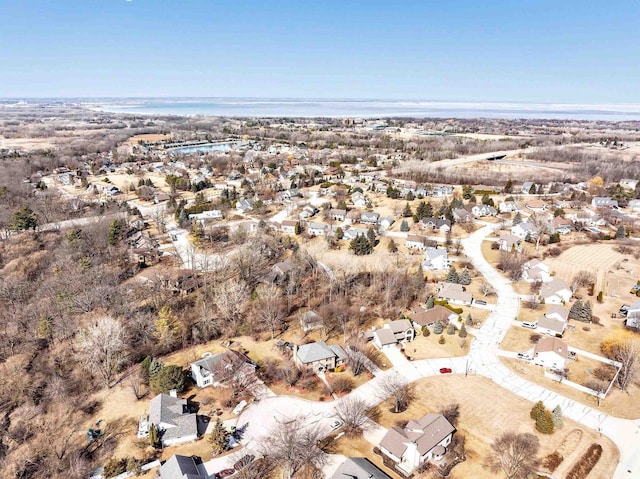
(358, 468)
(557, 311)
(436, 259)
(352, 217)
(386, 223)
(454, 293)
(603, 202)
(440, 191)
(430, 223)
(318, 357)
(561, 225)
(428, 317)
(279, 272)
(317, 229)
(508, 242)
(483, 210)
(359, 199)
(461, 215)
(308, 211)
(628, 183)
(551, 326)
(535, 270)
(354, 231)
(416, 242)
(310, 320)
(633, 316)
(551, 352)
(183, 467)
(509, 207)
(555, 291)
(522, 230)
(207, 215)
(245, 205)
(338, 215)
(634, 205)
(526, 187)
(418, 442)
(214, 370)
(175, 423)
(290, 227)
(394, 332)
(369, 218)
(536, 206)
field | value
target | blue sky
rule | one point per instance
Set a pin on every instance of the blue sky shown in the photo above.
(520, 50)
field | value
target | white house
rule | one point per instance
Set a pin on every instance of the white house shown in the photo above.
(551, 353)
(521, 230)
(175, 423)
(207, 215)
(385, 223)
(416, 242)
(454, 293)
(370, 218)
(508, 207)
(289, 227)
(215, 370)
(535, 270)
(633, 316)
(442, 225)
(418, 442)
(439, 191)
(338, 215)
(603, 202)
(483, 210)
(628, 183)
(245, 205)
(317, 229)
(634, 205)
(555, 291)
(436, 259)
(394, 332)
(551, 325)
(358, 199)
(508, 242)
(183, 467)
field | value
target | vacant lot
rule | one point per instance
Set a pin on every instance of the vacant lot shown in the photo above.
(483, 418)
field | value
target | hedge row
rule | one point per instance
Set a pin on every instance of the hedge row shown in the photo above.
(445, 303)
(587, 462)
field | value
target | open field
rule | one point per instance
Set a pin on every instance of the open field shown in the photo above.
(482, 419)
(148, 138)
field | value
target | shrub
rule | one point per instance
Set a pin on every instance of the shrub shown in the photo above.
(441, 340)
(544, 423)
(451, 329)
(342, 384)
(537, 410)
(425, 331)
(586, 463)
(552, 461)
(114, 467)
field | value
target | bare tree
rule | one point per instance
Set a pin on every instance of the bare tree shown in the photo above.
(354, 414)
(230, 299)
(396, 388)
(582, 279)
(540, 227)
(628, 353)
(136, 385)
(269, 307)
(102, 348)
(451, 412)
(486, 288)
(293, 446)
(599, 387)
(514, 454)
(160, 220)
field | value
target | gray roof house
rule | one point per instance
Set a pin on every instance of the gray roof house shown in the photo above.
(418, 442)
(393, 332)
(370, 218)
(358, 468)
(215, 370)
(454, 293)
(436, 259)
(633, 316)
(318, 356)
(310, 320)
(175, 423)
(182, 467)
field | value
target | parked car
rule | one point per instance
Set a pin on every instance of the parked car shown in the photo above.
(480, 302)
(526, 324)
(244, 462)
(624, 309)
(445, 371)
(524, 356)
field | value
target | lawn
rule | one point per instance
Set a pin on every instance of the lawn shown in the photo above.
(482, 418)
(427, 348)
(517, 339)
(359, 447)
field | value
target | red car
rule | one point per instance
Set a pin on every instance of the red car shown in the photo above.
(445, 371)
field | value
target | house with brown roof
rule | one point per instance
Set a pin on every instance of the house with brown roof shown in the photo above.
(536, 271)
(421, 440)
(508, 242)
(431, 316)
(215, 370)
(551, 353)
(454, 293)
(394, 332)
(555, 291)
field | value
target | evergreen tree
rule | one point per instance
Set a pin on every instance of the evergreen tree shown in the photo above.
(467, 191)
(392, 247)
(556, 415)
(410, 196)
(168, 378)
(155, 367)
(407, 213)
(404, 226)
(441, 340)
(468, 321)
(419, 280)
(517, 219)
(544, 423)
(620, 232)
(486, 200)
(508, 186)
(438, 328)
(219, 438)
(145, 372)
(452, 276)
(371, 236)
(537, 410)
(451, 329)
(153, 436)
(339, 233)
(360, 245)
(465, 277)
(425, 331)
(532, 190)
(23, 219)
(463, 331)
(116, 231)
(430, 303)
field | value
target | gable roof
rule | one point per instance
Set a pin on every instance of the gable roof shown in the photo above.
(557, 309)
(318, 351)
(454, 291)
(358, 468)
(552, 324)
(430, 316)
(426, 432)
(552, 287)
(549, 344)
(399, 325)
(180, 467)
(171, 413)
(385, 336)
(222, 366)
